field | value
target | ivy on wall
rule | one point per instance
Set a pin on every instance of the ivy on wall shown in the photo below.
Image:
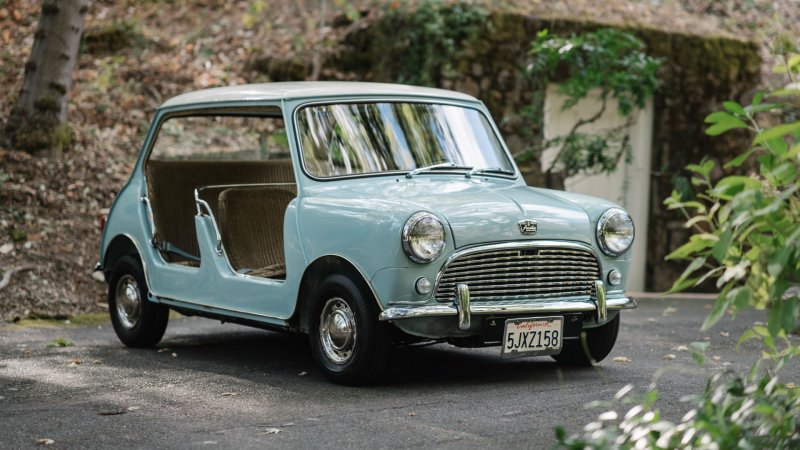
(428, 39)
(610, 61)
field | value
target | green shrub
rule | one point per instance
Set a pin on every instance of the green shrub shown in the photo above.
(747, 238)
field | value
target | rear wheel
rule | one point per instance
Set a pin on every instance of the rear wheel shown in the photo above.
(348, 342)
(137, 321)
(593, 346)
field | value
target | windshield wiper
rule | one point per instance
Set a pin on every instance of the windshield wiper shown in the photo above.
(448, 165)
(499, 170)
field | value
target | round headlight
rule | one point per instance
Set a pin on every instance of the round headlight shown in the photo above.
(423, 237)
(615, 232)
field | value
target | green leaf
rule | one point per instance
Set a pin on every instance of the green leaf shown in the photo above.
(683, 282)
(741, 299)
(721, 247)
(722, 126)
(785, 93)
(746, 336)
(688, 249)
(739, 160)
(718, 116)
(777, 131)
(790, 313)
(717, 311)
(778, 261)
(699, 351)
(762, 107)
(758, 97)
(560, 434)
(775, 319)
(733, 107)
(736, 183)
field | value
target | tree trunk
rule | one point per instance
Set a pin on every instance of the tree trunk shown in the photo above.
(38, 121)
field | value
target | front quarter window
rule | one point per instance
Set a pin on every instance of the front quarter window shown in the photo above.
(368, 138)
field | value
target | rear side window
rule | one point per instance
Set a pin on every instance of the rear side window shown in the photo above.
(221, 137)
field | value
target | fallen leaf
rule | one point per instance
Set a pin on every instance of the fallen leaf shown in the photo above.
(724, 333)
(45, 441)
(271, 430)
(174, 355)
(791, 385)
(230, 394)
(622, 359)
(302, 374)
(668, 356)
(133, 408)
(716, 358)
(681, 348)
(669, 310)
(74, 362)
(6, 248)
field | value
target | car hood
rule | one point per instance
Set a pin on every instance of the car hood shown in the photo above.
(480, 211)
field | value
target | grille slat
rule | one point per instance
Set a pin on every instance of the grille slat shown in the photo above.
(521, 273)
(529, 264)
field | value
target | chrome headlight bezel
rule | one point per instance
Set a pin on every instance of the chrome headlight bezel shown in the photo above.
(601, 232)
(408, 233)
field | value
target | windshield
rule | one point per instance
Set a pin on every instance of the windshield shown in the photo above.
(363, 138)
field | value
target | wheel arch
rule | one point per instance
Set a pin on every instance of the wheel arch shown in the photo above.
(121, 245)
(314, 274)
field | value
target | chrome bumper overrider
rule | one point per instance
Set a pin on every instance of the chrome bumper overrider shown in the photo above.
(463, 308)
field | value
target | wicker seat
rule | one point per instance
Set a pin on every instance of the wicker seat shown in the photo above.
(251, 224)
(171, 186)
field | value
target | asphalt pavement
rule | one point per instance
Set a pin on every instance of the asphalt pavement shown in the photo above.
(226, 386)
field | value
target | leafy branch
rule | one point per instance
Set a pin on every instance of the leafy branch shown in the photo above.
(610, 61)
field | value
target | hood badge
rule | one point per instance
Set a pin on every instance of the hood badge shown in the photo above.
(527, 227)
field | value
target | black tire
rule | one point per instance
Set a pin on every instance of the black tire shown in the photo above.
(599, 342)
(141, 325)
(345, 357)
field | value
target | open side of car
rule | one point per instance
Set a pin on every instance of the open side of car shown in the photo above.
(363, 215)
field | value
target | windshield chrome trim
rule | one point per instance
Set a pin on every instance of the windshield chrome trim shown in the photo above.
(381, 99)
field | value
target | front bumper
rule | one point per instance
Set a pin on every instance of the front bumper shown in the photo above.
(463, 308)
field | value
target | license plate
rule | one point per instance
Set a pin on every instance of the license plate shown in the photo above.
(533, 336)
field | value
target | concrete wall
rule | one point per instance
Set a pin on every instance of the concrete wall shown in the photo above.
(629, 185)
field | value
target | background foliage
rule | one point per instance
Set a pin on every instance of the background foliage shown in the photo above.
(610, 61)
(746, 232)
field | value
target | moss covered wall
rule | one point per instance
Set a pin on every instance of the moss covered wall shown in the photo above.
(489, 62)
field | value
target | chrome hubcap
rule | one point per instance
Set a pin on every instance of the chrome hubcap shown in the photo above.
(337, 331)
(129, 303)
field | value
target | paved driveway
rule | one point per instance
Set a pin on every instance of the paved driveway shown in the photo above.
(213, 385)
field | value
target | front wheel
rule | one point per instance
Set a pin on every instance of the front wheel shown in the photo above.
(348, 342)
(594, 345)
(137, 321)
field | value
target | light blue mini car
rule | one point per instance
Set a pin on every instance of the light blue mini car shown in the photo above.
(363, 215)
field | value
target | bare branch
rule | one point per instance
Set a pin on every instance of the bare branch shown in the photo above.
(10, 273)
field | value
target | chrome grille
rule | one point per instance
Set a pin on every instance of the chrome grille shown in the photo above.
(521, 273)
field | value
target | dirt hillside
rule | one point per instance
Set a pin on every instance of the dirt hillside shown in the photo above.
(136, 54)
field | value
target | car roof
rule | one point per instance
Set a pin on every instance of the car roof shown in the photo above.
(308, 89)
